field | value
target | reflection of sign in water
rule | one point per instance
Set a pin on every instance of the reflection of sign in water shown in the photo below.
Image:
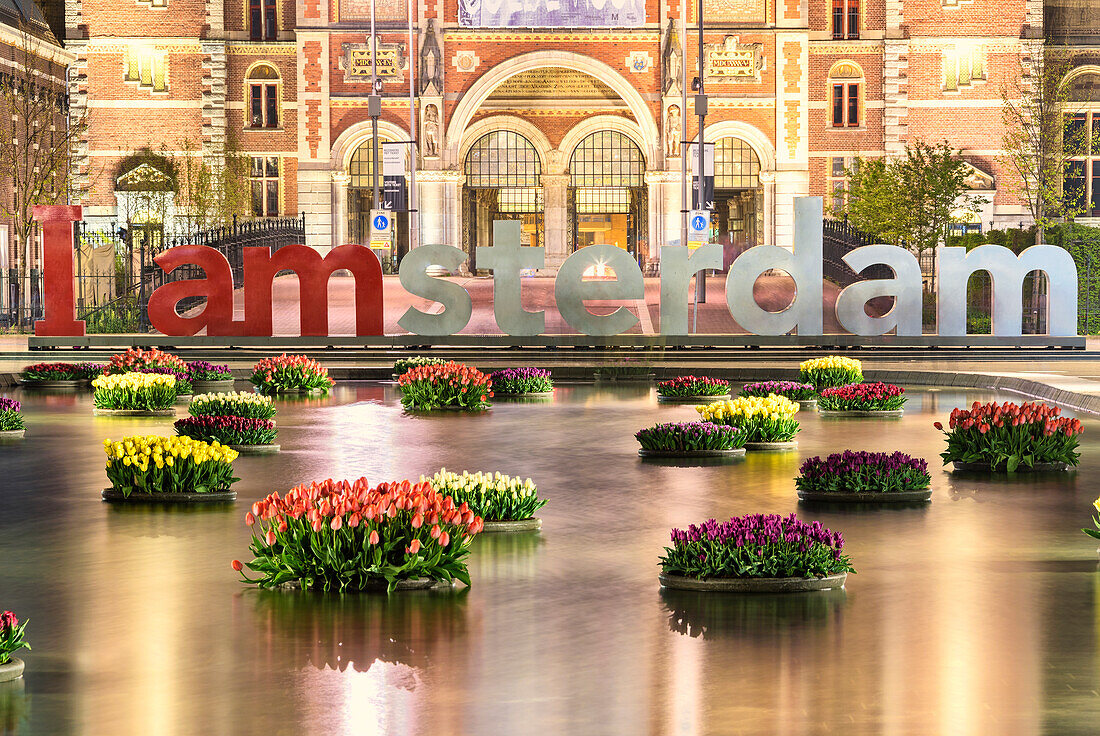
(731, 60)
(551, 13)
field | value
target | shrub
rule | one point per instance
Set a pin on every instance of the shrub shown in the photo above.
(762, 419)
(521, 381)
(830, 371)
(136, 359)
(402, 365)
(200, 370)
(155, 464)
(141, 391)
(11, 636)
(492, 496)
(863, 472)
(1007, 435)
(62, 371)
(788, 389)
(690, 437)
(693, 386)
(448, 385)
(347, 536)
(232, 404)
(10, 418)
(863, 397)
(290, 373)
(228, 430)
(756, 546)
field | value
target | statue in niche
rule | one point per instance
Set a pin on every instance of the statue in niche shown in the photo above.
(672, 131)
(673, 60)
(430, 133)
(431, 70)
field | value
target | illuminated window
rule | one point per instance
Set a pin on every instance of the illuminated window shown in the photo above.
(839, 168)
(963, 65)
(147, 68)
(263, 97)
(736, 165)
(503, 159)
(845, 19)
(264, 178)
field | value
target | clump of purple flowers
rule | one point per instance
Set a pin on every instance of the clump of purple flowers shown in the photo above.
(864, 472)
(183, 382)
(200, 370)
(521, 381)
(690, 437)
(10, 418)
(693, 386)
(790, 389)
(756, 546)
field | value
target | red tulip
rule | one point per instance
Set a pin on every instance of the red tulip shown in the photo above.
(236, 565)
(373, 538)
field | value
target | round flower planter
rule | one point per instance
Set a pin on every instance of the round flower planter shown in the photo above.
(424, 412)
(734, 452)
(184, 399)
(807, 405)
(531, 395)
(626, 378)
(753, 585)
(868, 497)
(690, 399)
(212, 387)
(380, 585)
(521, 525)
(13, 670)
(134, 412)
(12, 434)
(110, 495)
(30, 383)
(291, 392)
(860, 413)
(758, 446)
(1037, 468)
(255, 449)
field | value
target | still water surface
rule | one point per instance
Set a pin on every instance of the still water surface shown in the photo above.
(975, 614)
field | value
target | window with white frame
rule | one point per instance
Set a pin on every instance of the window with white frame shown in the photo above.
(845, 89)
(963, 66)
(263, 97)
(264, 179)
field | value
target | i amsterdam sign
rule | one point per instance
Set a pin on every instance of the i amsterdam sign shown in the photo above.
(507, 259)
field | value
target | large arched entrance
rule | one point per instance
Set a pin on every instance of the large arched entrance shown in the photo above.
(607, 194)
(738, 218)
(360, 200)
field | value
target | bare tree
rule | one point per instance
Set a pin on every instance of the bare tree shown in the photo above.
(1039, 138)
(37, 139)
(212, 189)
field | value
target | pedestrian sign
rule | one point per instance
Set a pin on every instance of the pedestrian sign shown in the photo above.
(698, 227)
(381, 223)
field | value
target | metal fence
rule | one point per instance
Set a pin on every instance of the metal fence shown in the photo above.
(116, 273)
(838, 239)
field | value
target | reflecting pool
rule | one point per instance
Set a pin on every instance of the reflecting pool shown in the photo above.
(975, 614)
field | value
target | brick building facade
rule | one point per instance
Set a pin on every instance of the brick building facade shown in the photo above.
(574, 131)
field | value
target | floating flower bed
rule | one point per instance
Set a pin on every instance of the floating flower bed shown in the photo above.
(864, 476)
(290, 374)
(1009, 437)
(243, 434)
(136, 359)
(757, 552)
(151, 467)
(788, 389)
(347, 536)
(232, 404)
(12, 639)
(692, 388)
(690, 439)
(503, 502)
(448, 386)
(521, 382)
(402, 365)
(60, 374)
(830, 372)
(767, 421)
(205, 377)
(863, 399)
(135, 393)
(11, 420)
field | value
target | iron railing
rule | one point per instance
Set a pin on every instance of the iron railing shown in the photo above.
(840, 238)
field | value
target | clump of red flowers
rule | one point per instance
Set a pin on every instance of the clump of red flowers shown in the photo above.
(875, 396)
(290, 373)
(137, 359)
(348, 536)
(1009, 435)
(452, 384)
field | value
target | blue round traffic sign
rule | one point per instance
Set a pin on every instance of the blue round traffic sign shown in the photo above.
(698, 223)
(381, 222)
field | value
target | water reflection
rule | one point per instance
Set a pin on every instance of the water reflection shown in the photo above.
(698, 614)
(14, 707)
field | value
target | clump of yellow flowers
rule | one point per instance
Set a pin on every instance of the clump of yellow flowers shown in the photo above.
(830, 371)
(763, 418)
(142, 391)
(156, 464)
(492, 496)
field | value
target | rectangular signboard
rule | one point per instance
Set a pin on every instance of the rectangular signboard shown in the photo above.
(551, 14)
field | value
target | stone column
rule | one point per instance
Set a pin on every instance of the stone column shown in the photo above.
(664, 207)
(435, 208)
(767, 181)
(555, 188)
(340, 181)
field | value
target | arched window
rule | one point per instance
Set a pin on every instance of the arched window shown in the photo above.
(845, 83)
(361, 165)
(1081, 140)
(503, 159)
(736, 165)
(263, 97)
(607, 158)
